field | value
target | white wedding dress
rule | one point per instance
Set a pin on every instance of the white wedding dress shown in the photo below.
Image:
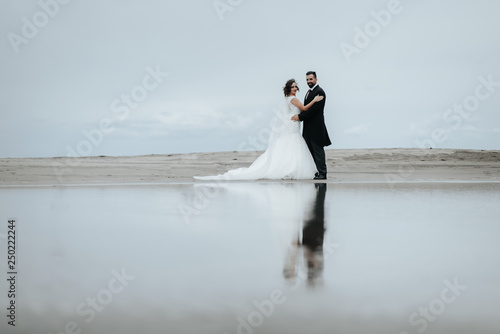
(287, 155)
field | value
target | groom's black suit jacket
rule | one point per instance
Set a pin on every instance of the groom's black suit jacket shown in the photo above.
(314, 119)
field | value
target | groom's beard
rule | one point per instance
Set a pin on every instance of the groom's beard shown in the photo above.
(311, 85)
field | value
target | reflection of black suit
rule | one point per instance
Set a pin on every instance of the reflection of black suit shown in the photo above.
(313, 234)
(314, 227)
(315, 133)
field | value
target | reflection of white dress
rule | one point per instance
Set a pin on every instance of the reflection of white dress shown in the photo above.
(287, 155)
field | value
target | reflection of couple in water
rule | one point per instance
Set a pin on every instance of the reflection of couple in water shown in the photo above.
(296, 220)
(309, 242)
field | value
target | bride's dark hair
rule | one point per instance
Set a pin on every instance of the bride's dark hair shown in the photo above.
(288, 87)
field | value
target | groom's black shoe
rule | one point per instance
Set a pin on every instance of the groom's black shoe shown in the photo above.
(316, 174)
(320, 177)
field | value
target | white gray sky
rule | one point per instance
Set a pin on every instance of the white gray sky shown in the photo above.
(225, 76)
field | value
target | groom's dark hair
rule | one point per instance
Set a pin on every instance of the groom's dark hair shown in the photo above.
(311, 72)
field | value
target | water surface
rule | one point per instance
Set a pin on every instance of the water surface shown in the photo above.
(255, 258)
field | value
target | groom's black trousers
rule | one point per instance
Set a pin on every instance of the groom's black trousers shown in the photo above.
(318, 153)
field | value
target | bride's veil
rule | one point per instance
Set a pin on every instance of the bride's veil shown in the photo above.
(283, 117)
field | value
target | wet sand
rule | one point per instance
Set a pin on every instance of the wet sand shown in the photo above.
(347, 165)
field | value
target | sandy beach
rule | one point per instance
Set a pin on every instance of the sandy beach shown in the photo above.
(346, 165)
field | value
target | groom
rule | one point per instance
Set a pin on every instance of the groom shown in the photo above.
(314, 131)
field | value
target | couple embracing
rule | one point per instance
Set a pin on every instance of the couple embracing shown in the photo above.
(290, 155)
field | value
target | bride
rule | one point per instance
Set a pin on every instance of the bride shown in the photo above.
(287, 155)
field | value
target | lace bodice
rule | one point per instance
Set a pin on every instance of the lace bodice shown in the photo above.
(293, 109)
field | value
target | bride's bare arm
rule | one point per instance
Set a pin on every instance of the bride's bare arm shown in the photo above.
(295, 101)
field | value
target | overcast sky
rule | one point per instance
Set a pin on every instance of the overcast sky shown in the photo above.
(156, 77)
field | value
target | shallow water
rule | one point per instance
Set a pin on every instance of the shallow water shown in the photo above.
(255, 258)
